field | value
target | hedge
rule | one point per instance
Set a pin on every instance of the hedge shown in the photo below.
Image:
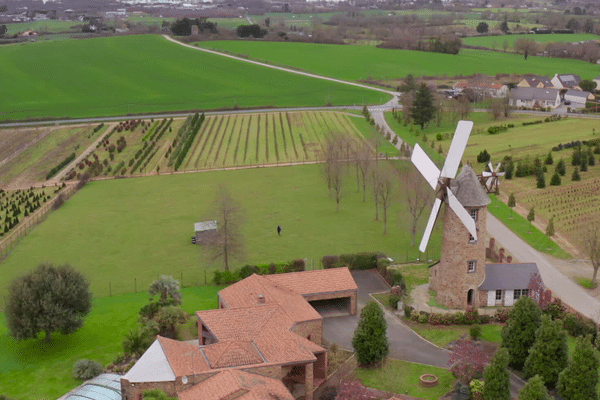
(352, 261)
(227, 277)
(60, 166)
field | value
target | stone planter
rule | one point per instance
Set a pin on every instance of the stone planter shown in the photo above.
(428, 380)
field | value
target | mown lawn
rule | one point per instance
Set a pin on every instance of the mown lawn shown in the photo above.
(442, 335)
(124, 232)
(403, 377)
(37, 370)
(371, 62)
(147, 73)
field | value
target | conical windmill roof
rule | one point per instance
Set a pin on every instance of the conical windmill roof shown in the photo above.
(468, 190)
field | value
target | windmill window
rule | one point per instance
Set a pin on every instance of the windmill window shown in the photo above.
(473, 214)
(472, 265)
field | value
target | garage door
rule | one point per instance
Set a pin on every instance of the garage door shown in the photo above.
(332, 307)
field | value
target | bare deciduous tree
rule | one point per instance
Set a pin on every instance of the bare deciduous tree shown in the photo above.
(336, 152)
(417, 197)
(228, 243)
(384, 187)
(365, 153)
(591, 245)
(407, 103)
(496, 108)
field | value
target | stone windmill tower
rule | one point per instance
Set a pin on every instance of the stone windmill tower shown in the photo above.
(462, 264)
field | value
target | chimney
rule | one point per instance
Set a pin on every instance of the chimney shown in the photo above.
(261, 299)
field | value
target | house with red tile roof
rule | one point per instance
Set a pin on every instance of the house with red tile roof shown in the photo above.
(265, 336)
(482, 89)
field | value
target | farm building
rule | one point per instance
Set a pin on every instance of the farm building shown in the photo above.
(462, 278)
(264, 339)
(534, 97)
(577, 98)
(205, 231)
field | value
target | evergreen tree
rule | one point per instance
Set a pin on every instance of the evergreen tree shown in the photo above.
(549, 354)
(409, 84)
(370, 339)
(534, 390)
(555, 180)
(579, 381)
(531, 215)
(423, 110)
(518, 335)
(549, 160)
(584, 164)
(512, 202)
(550, 228)
(509, 169)
(497, 377)
(576, 156)
(541, 180)
(591, 159)
(576, 176)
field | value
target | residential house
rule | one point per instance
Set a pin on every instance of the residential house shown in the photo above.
(566, 81)
(504, 284)
(482, 89)
(263, 341)
(597, 80)
(534, 97)
(535, 81)
(577, 98)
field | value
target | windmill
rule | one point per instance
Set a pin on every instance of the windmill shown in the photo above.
(440, 180)
(492, 184)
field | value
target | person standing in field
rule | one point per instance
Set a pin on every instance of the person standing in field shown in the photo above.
(279, 230)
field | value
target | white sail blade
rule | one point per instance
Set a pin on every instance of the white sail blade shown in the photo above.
(461, 213)
(500, 173)
(489, 182)
(457, 148)
(498, 167)
(426, 167)
(491, 167)
(485, 173)
(432, 217)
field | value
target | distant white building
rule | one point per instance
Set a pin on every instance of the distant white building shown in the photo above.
(566, 81)
(577, 98)
(121, 12)
(483, 89)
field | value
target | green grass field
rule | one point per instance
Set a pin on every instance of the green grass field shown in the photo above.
(50, 26)
(371, 62)
(37, 370)
(488, 41)
(119, 230)
(134, 74)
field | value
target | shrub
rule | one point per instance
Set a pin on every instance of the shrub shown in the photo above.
(330, 261)
(423, 317)
(518, 335)
(476, 387)
(439, 136)
(549, 354)
(577, 325)
(87, 369)
(555, 309)
(359, 260)
(484, 319)
(408, 311)
(497, 377)
(436, 319)
(458, 318)
(248, 270)
(475, 332)
(471, 315)
(579, 381)
(370, 340)
(329, 393)
(393, 300)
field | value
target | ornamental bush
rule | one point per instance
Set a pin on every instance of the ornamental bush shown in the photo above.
(549, 354)
(370, 340)
(579, 381)
(87, 369)
(518, 335)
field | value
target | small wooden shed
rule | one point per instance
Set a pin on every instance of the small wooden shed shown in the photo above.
(204, 232)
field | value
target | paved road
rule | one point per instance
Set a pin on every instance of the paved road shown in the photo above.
(404, 343)
(563, 287)
(294, 71)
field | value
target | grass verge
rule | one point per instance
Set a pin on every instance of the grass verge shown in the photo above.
(586, 282)
(403, 377)
(529, 233)
(442, 335)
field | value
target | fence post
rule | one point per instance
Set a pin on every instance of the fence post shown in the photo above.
(110, 288)
(181, 282)
(135, 285)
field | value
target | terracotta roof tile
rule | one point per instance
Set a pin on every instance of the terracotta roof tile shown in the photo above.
(317, 281)
(184, 358)
(233, 353)
(245, 294)
(236, 384)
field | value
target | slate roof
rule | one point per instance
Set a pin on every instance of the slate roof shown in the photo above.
(535, 80)
(508, 276)
(205, 226)
(478, 85)
(317, 281)
(239, 385)
(527, 93)
(245, 294)
(577, 93)
(468, 190)
(569, 80)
